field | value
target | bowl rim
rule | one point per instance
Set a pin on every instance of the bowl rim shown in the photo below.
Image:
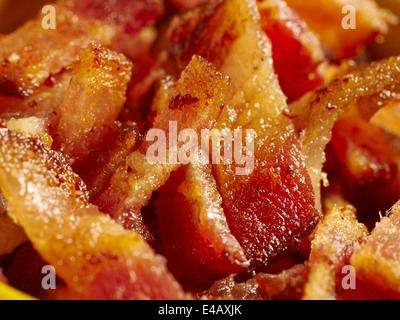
(9, 293)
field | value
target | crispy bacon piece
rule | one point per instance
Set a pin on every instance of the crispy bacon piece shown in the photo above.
(93, 254)
(229, 289)
(331, 249)
(96, 94)
(293, 41)
(365, 159)
(270, 209)
(30, 55)
(377, 260)
(133, 16)
(104, 160)
(134, 182)
(366, 89)
(388, 117)
(286, 285)
(326, 19)
(44, 105)
(31, 126)
(196, 238)
(135, 23)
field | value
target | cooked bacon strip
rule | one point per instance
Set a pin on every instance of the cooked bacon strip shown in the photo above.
(341, 43)
(102, 162)
(292, 40)
(96, 93)
(196, 238)
(204, 249)
(367, 89)
(377, 260)
(388, 117)
(134, 182)
(278, 191)
(133, 16)
(44, 105)
(331, 249)
(229, 289)
(93, 254)
(31, 54)
(365, 159)
(286, 285)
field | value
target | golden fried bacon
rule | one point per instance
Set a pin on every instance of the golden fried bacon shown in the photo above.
(43, 105)
(292, 40)
(331, 249)
(339, 40)
(286, 285)
(365, 159)
(366, 89)
(31, 54)
(134, 24)
(96, 94)
(95, 256)
(377, 260)
(132, 16)
(204, 249)
(229, 289)
(101, 163)
(388, 117)
(257, 203)
(134, 182)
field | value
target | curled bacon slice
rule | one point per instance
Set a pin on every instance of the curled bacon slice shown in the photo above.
(43, 105)
(96, 94)
(377, 259)
(196, 237)
(193, 102)
(271, 208)
(133, 16)
(30, 55)
(292, 40)
(364, 158)
(331, 249)
(340, 41)
(93, 254)
(365, 90)
(102, 162)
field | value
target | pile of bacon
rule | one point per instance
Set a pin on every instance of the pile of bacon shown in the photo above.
(79, 193)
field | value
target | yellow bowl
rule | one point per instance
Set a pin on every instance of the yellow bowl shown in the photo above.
(9, 293)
